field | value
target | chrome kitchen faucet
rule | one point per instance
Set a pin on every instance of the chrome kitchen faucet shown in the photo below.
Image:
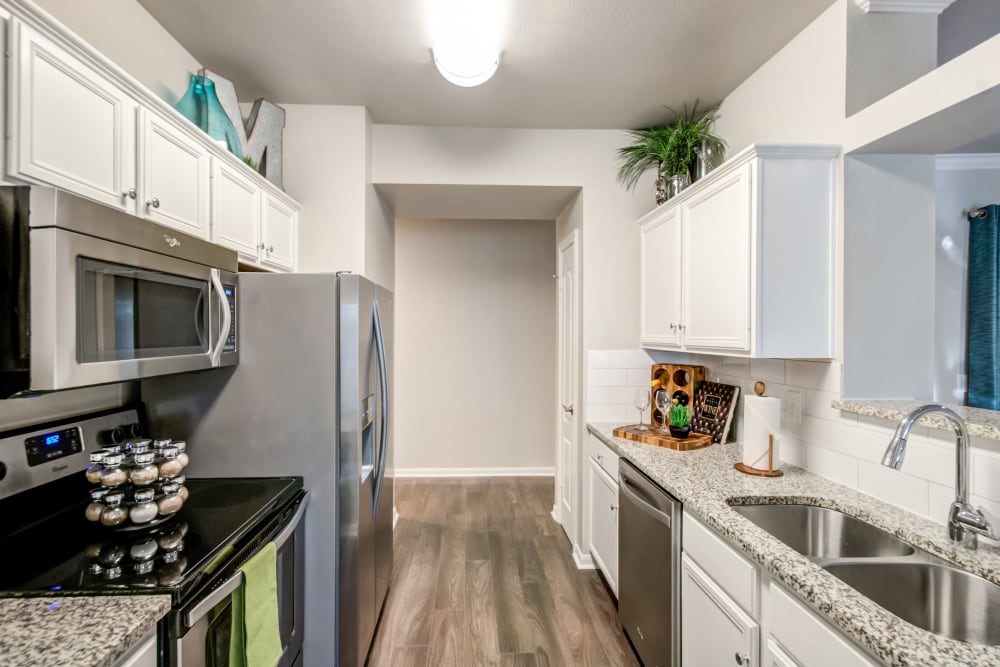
(965, 522)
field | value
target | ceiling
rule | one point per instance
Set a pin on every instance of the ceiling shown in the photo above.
(467, 202)
(566, 63)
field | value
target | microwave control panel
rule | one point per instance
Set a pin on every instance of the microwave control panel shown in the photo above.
(230, 291)
(50, 446)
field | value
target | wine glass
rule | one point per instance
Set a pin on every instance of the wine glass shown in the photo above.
(641, 403)
(663, 405)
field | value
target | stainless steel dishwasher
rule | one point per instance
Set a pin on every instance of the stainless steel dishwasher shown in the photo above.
(649, 556)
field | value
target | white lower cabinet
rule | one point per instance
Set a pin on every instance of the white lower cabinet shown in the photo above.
(714, 630)
(733, 613)
(604, 522)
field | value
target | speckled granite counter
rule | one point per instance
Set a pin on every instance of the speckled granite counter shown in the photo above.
(705, 479)
(982, 423)
(75, 631)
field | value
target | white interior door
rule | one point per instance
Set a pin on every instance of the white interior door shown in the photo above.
(567, 408)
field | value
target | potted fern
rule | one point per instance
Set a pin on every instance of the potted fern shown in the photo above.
(675, 149)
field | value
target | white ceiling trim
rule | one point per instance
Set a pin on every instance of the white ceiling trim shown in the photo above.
(968, 161)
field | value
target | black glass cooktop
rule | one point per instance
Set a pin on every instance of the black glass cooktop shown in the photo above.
(62, 551)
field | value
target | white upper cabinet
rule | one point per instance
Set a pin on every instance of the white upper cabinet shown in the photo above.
(235, 212)
(742, 262)
(174, 176)
(71, 127)
(279, 233)
(660, 240)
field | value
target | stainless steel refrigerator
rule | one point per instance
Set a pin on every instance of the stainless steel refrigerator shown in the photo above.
(311, 397)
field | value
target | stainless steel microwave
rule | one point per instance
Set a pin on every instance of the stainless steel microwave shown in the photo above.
(92, 295)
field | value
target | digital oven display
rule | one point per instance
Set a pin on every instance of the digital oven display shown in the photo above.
(51, 446)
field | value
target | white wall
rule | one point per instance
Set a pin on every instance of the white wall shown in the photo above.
(475, 308)
(324, 170)
(132, 39)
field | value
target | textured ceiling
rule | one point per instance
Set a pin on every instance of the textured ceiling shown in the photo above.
(566, 63)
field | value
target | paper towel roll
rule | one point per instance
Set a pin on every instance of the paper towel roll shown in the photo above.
(761, 418)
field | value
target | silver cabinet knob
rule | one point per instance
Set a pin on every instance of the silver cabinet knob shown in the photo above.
(129, 194)
(568, 408)
(260, 246)
(154, 202)
(742, 659)
(270, 248)
(681, 327)
(672, 326)
(600, 458)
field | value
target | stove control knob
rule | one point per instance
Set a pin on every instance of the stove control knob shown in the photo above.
(133, 431)
(3, 470)
(113, 436)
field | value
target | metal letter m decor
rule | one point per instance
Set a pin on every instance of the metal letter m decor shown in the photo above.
(265, 124)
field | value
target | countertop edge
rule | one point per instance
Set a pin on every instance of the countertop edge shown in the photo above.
(980, 422)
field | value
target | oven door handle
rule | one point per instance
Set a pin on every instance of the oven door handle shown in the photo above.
(235, 581)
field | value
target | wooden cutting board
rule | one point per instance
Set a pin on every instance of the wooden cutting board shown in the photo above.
(652, 436)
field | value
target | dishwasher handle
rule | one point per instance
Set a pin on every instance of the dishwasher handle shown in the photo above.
(624, 484)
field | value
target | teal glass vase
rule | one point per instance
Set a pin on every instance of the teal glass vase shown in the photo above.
(201, 106)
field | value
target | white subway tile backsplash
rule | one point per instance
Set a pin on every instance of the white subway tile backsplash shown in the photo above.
(599, 359)
(607, 377)
(832, 465)
(623, 395)
(986, 476)
(940, 499)
(637, 359)
(638, 377)
(929, 461)
(598, 394)
(816, 403)
(735, 367)
(894, 486)
(791, 451)
(602, 412)
(815, 431)
(863, 445)
(767, 370)
(813, 374)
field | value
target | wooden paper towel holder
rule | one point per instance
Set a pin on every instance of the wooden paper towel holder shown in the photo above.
(770, 472)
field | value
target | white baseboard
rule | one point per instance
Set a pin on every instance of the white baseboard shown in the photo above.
(474, 472)
(584, 561)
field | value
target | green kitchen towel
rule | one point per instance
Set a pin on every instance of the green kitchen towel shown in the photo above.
(255, 640)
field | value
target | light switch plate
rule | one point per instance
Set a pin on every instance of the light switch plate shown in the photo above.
(793, 406)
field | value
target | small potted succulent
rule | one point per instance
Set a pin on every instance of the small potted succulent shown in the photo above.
(680, 420)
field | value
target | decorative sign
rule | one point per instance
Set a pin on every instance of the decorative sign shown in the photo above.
(260, 136)
(714, 405)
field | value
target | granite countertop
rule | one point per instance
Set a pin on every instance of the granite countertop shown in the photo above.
(980, 422)
(704, 480)
(75, 631)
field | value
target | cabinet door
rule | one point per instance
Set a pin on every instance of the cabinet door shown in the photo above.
(717, 281)
(235, 211)
(142, 654)
(714, 630)
(70, 127)
(175, 177)
(279, 233)
(604, 523)
(660, 281)
(776, 657)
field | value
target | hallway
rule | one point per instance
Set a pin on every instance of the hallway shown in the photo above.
(484, 576)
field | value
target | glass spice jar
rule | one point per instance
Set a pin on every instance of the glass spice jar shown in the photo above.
(96, 466)
(182, 490)
(160, 444)
(113, 475)
(169, 465)
(145, 471)
(96, 506)
(144, 510)
(170, 502)
(182, 453)
(114, 514)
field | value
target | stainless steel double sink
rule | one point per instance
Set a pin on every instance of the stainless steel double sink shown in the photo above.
(907, 581)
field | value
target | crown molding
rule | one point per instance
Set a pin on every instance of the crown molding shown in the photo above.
(967, 161)
(904, 6)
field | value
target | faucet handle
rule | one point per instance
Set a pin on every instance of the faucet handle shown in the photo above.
(971, 521)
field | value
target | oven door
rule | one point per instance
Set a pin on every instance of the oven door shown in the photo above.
(204, 625)
(105, 312)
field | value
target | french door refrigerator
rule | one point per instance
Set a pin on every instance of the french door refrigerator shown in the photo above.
(310, 396)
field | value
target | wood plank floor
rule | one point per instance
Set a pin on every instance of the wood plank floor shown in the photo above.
(482, 575)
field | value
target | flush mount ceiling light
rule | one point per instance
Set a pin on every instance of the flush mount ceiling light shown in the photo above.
(465, 39)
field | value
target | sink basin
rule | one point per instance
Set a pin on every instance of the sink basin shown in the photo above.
(818, 532)
(935, 597)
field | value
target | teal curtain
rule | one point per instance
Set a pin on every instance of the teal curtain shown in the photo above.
(984, 309)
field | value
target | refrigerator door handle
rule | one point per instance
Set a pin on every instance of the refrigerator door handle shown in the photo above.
(383, 377)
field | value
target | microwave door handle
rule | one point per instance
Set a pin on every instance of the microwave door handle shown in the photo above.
(227, 318)
(383, 377)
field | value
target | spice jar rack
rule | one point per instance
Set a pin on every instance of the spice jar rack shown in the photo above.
(137, 485)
